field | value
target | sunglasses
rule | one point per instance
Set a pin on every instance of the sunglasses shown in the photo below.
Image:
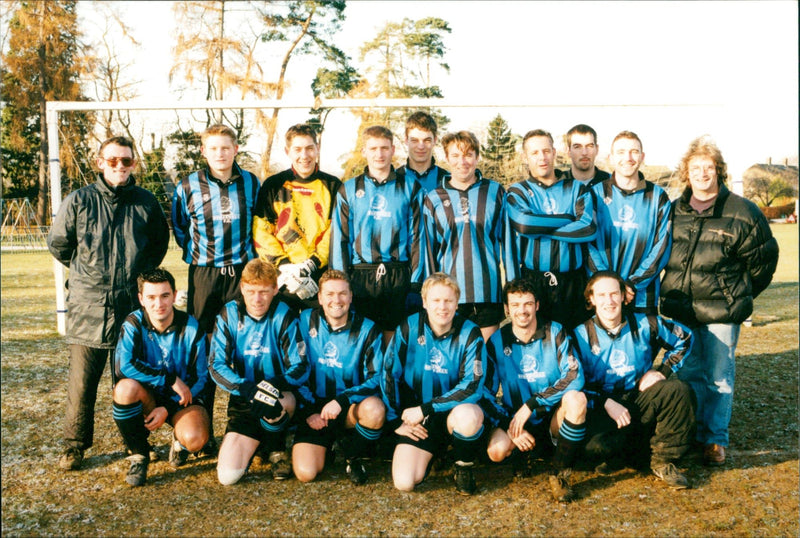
(113, 161)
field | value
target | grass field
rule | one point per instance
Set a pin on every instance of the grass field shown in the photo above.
(754, 494)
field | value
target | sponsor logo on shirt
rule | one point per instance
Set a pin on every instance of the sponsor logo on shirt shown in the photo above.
(550, 207)
(330, 357)
(618, 362)
(435, 362)
(377, 208)
(254, 348)
(530, 368)
(626, 218)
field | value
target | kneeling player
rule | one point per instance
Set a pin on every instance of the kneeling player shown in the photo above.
(258, 356)
(160, 362)
(632, 403)
(542, 381)
(433, 373)
(344, 353)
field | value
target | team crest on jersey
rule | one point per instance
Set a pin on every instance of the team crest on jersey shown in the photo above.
(421, 340)
(572, 362)
(550, 207)
(596, 349)
(206, 197)
(330, 356)
(360, 193)
(507, 351)
(377, 208)
(446, 203)
(436, 362)
(312, 332)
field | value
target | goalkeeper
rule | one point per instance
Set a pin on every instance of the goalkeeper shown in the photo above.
(291, 226)
(258, 356)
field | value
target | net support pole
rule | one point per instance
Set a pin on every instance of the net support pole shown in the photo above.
(54, 165)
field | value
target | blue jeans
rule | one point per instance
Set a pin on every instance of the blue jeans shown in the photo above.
(710, 371)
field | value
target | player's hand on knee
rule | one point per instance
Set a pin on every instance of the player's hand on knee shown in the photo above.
(265, 401)
(182, 390)
(331, 410)
(155, 418)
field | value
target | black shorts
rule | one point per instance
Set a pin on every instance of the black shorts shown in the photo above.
(162, 399)
(379, 292)
(560, 296)
(209, 289)
(242, 421)
(438, 437)
(327, 435)
(483, 314)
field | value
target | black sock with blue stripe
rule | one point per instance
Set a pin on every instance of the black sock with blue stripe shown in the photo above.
(130, 422)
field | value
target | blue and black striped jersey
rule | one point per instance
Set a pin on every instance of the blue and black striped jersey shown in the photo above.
(430, 180)
(212, 220)
(245, 349)
(613, 364)
(437, 373)
(155, 359)
(634, 237)
(536, 373)
(345, 364)
(378, 223)
(548, 226)
(463, 237)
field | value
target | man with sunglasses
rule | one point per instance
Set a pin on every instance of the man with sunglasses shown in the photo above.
(106, 233)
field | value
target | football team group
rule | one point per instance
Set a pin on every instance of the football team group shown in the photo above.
(422, 315)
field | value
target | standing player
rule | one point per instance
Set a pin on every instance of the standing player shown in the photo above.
(420, 140)
(550, 220)
(162, 369)
(633, 229)
(582, 147)
(345, 358)
(463, 221)
(632, 402)
(376, 235)
(292, 222)
(541, 397)
(433, 374)
(723, 256)
(106, 234)
(212, 218)
(258, 356)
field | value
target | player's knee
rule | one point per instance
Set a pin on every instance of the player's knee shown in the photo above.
(228, 476)
(127, 391)
(303, 472)
(466, 419)
(404, 482)
(574, 402)
(288, 402)
(371, 413)
(496, 453)
(193, 439)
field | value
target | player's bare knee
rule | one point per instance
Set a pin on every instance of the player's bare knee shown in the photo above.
(127, 391)
(192, 439)
(303, 472)
(404, 482)
(371, 413)
(466, 419)
(228, 476)
(497, 453)
(288, 402)
(574, 402)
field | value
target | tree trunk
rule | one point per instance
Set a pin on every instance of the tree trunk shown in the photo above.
(42, 205)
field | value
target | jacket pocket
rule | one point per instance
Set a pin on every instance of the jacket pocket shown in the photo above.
(724, 288)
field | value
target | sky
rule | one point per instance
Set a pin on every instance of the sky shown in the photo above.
(669, 71)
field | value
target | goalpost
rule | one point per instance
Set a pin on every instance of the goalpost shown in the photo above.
(55, 108)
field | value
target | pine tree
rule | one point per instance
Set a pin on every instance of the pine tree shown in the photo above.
(498, 155)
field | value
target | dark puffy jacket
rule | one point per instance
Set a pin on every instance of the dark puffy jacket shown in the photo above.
(721, 260)
(106, 237)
